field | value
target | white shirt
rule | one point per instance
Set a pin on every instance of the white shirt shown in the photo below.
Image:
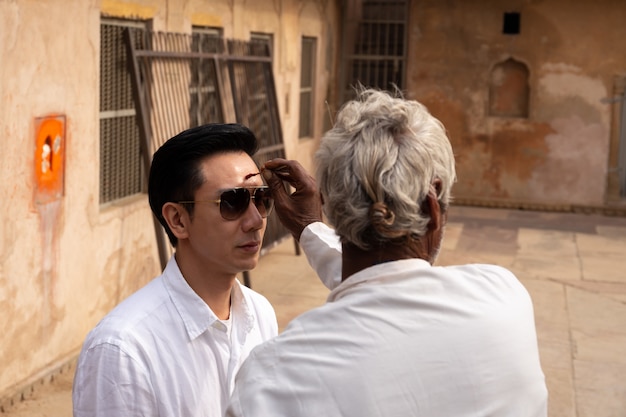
(401, 339)
(163, 352)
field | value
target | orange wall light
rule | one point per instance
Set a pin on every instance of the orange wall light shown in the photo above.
(49, 158)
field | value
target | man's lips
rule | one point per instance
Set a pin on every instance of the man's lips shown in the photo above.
(251, 246)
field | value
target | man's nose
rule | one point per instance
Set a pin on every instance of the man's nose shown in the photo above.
(252, 217)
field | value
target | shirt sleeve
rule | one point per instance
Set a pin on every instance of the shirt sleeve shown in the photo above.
(322, 248)
(109, 382)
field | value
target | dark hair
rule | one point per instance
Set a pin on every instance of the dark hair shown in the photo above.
(175, 173)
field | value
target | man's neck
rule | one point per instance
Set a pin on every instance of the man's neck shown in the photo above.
(214, 289)
(355, 259)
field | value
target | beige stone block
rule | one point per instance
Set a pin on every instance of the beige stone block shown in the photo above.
(306, 285)
(600, 346)
(544, 266)
(561, 398)
(287, 307)
(555, 353)
(604, 267)
(470, 257)
(547, 254)
(555, 350)
(619, 297)
(603, 257)
(488, 240)
(609, 243)
(552, 321)
(600, 389)
(613, 290)
(598, 327)
(614, 232)
(546, 243)
(452, 233)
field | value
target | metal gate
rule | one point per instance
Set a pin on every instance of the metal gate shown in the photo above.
(181, 81)
(375, 39)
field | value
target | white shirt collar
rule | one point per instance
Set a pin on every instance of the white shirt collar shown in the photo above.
(194, 312)
(375, 273)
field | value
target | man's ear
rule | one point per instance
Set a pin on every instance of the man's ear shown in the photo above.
(177, 219)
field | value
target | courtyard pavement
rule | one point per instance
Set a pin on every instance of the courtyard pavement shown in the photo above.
(573, 265)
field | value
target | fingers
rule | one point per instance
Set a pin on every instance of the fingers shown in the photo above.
(284, 169)
(272, 180)
(291, 172)
(278, 189)
(276, 163)
(303, 206)
(277, 172)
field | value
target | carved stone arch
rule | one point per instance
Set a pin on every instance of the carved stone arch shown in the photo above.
(509, 89)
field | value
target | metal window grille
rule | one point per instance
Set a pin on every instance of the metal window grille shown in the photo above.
(203, 95)
(376, 45)
(307, 84)
(266, 39)
(120, 156)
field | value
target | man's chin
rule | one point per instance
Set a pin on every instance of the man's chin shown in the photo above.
(249, 265)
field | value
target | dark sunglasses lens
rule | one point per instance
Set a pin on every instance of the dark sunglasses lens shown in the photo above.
(263, 201)
(234, 203)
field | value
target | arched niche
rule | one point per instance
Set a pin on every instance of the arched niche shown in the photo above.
(508, 89)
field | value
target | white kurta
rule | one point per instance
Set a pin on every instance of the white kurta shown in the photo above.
(400, 339)
(163, 352)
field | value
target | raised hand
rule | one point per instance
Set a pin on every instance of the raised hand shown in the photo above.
(298, 209)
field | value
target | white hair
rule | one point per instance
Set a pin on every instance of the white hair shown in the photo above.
(376, 166)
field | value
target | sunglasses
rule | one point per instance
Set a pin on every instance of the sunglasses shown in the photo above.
(235, 201)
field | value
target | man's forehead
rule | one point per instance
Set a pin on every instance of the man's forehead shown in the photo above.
(229, 163)
(232, 169)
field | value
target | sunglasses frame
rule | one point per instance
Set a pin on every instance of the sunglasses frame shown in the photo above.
(251, 195)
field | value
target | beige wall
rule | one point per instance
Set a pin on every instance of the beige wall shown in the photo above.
(66, 263)
(559, 154)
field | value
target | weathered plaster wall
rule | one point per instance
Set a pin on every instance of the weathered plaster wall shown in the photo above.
(558, 154)
(65, 264)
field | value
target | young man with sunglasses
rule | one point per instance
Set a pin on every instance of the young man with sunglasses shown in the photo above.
(173, 348)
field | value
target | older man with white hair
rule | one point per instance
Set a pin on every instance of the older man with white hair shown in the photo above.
(398, 336)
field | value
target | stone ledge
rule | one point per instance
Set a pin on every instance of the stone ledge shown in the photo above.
(615, 210)
(10, 399)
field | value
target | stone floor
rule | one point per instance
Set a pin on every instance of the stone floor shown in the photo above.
(573, 265)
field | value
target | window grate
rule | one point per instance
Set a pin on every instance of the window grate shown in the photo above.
(120, 152)
(307, 85)
(203, 92)
(120, 158)
(377, 46)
